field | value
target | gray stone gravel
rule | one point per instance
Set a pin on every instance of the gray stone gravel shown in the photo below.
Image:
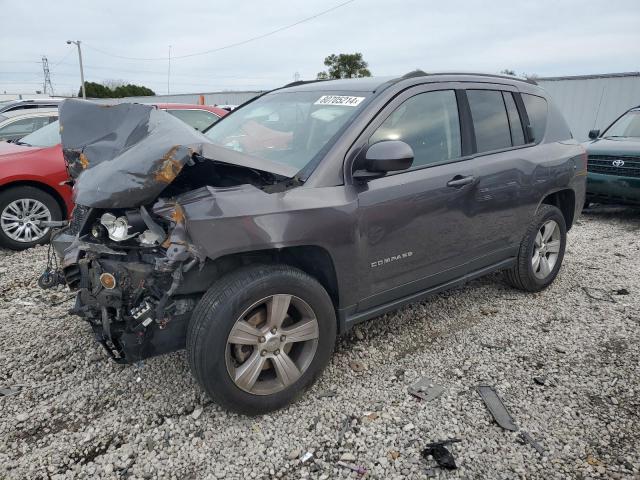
(79, 415)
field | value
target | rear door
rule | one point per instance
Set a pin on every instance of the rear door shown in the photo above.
(504, 194)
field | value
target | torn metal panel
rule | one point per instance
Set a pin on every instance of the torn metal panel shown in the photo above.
(496, 407)
(125, 155)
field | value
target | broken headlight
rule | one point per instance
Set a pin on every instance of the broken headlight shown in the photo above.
(117, 227)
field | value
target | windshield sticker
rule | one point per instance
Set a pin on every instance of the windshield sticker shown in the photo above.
(339, 100)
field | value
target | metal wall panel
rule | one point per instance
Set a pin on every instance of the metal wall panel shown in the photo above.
(589, 102)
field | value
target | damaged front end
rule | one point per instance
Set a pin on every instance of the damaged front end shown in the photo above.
(128, 274)
(127, 251)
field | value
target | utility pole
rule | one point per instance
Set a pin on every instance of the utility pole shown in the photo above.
(47, 76)
(169, 70)
(77, 43)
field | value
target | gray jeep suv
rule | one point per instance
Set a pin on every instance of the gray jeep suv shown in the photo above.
(305, 211)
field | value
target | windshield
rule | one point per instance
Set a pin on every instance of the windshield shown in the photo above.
(290, 128)
(44, 137)
(626, 126)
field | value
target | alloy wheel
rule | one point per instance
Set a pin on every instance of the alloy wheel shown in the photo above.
(546, 249)
(272, 344)
(20, 220)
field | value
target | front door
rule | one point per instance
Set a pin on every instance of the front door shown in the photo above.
(413, 223)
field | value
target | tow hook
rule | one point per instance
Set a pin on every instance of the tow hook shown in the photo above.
(50, 278)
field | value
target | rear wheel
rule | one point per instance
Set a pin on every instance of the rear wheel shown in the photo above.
(21, 211)
(260, 336)
(541, 251)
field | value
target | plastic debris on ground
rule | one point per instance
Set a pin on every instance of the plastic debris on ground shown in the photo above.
(425, 389)
(529, 439)
(443, 457)
(502, 416)
(496, 407)
(360, 470)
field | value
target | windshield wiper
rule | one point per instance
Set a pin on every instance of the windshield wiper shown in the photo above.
(18, 142)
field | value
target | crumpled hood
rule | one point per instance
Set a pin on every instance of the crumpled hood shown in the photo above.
(124, 155)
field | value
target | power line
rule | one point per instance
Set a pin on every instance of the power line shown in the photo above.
(237, 44)
(62, 59)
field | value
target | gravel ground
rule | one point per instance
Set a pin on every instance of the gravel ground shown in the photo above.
(564, 361)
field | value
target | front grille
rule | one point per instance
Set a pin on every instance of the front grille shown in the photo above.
(604, 164)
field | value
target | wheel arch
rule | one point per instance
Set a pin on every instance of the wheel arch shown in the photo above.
(565, 201)
(314, 260)
(42, 186)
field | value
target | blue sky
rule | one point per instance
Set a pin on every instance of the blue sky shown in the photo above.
(547, 38)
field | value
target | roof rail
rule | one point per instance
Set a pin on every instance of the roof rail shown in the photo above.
(302, 82)
(415, 73)
(421, 73)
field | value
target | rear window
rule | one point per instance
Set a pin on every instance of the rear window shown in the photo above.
(44, 137)
(490, 120)
(198, 119)
(537, 112)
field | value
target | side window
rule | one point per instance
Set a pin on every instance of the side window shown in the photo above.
(490, 120)
(19, 127)
(537, 113)
(22, 107)
(40, 122)
(429, 123)
(198, 119)
(515, 125)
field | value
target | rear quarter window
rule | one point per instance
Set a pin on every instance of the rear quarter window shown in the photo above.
(537, 111)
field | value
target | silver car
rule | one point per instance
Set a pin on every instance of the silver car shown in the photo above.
(19, 123)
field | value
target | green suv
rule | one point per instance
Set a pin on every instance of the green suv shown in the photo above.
(614, 161)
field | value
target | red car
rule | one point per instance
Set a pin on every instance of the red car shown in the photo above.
(33, 178)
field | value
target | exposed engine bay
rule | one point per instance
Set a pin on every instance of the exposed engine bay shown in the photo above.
(128, 251)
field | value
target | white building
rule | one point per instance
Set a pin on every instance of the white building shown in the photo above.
(593, 101)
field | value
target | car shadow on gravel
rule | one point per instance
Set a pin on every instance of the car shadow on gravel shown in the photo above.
(627, 214)
(423, 322)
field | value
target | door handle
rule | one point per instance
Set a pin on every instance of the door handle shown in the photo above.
(460, 181)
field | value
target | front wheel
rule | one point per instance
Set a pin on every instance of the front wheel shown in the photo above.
(260, 336)
(541, 251)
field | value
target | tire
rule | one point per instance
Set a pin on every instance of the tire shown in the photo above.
(522, 275)
(36, 197)
(214, 359)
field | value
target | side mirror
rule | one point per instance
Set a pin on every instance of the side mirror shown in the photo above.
(593, 134)
(383, 157)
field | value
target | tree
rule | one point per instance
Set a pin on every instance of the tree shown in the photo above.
(100, 90)
(506, 71)
(344, 65)
(113, 83)
(95, 90)
(130, 90)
